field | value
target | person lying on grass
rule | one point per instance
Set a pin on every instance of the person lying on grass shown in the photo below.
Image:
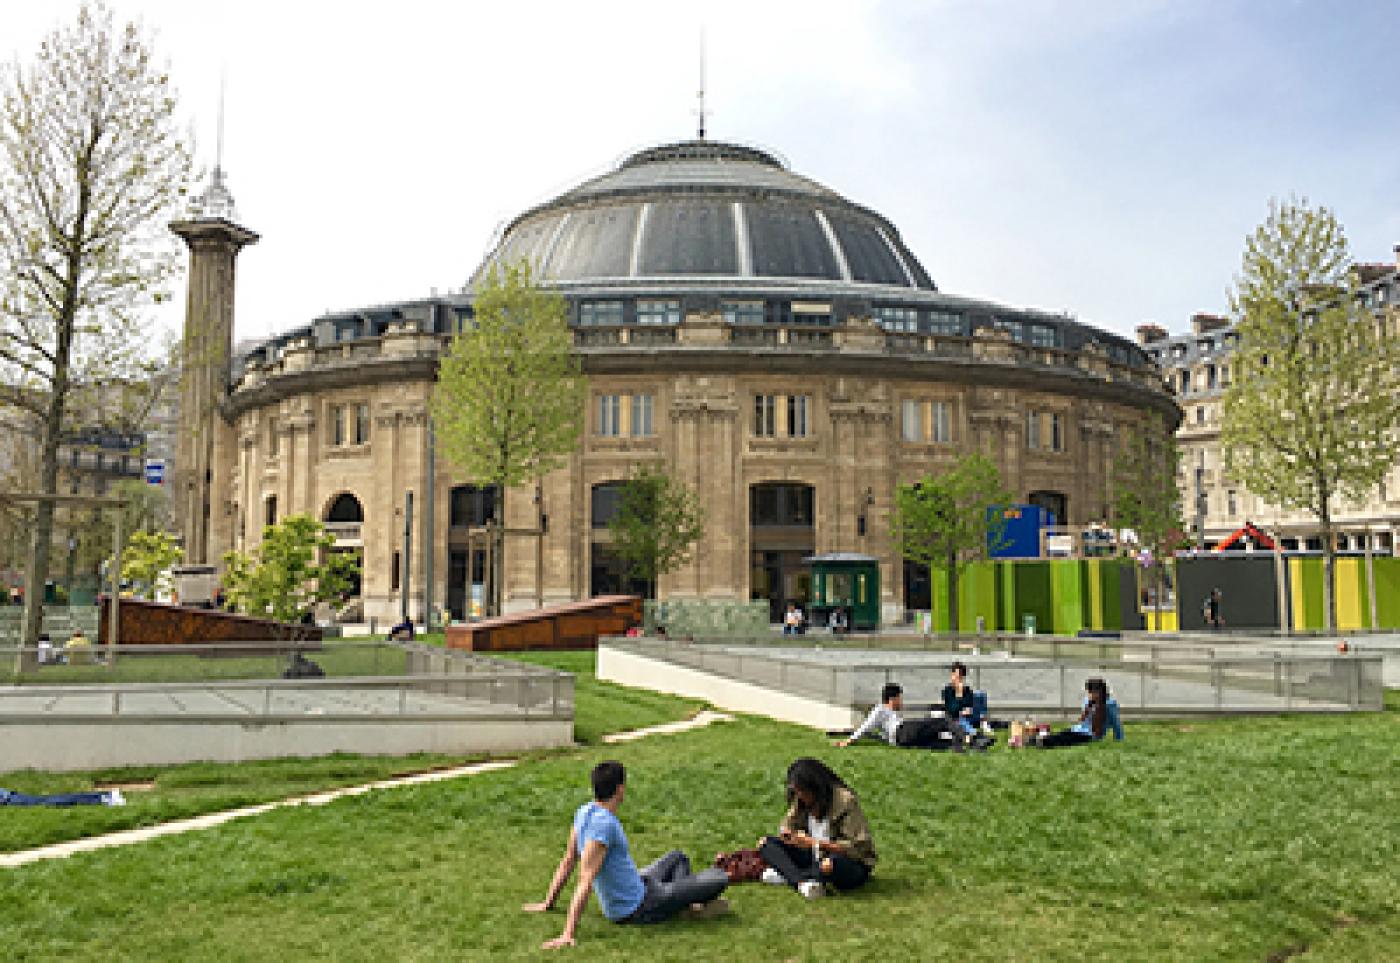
(662, 890)
(885, 722)
(824, 838)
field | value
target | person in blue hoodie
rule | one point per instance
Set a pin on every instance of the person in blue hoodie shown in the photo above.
(1094, 722)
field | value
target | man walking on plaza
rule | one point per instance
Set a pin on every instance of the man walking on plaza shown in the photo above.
(662, 890)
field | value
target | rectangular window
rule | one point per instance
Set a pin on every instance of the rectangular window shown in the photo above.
(1045, 336)
(641, 416)
(394, 569)
(1185, 382)
(942, 422)
(1033, 430)
(742, 312)
(913, 422)
(337, 425)
(593, 313)
(898, 320)
(1014, 328)
(765, 415)
(797, 416)
(927, 421)
(1230, 503)
(361, 424)
(610, 415)
(658, 312)
(947, 323)
(1057, 432)
(1200, 414)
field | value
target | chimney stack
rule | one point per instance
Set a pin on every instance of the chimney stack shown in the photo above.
(1201, 323)
(1150, 333)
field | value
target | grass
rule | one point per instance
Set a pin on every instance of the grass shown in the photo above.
(1210, 840)
(191, 790)
(338, 659)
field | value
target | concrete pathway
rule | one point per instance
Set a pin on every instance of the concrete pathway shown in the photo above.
(128, 837)
(701, 718)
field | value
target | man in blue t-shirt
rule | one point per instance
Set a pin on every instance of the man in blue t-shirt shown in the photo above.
(657, 893)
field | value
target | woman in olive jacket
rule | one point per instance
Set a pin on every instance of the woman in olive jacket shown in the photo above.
(824, 837)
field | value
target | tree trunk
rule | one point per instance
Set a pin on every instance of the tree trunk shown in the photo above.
(1329, 602)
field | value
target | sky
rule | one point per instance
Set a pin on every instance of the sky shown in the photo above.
(1105, 158)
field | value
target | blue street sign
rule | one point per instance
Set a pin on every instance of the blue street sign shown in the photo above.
(155, 472)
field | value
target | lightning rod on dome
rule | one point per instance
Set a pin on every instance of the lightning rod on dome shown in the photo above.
(700, 95)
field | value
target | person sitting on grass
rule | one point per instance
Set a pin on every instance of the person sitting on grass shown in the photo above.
(885, 722)
(824, 838)
(403, 632)
(958, 701)
(1094, 722)
(662, 890)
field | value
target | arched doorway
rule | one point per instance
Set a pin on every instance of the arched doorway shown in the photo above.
(344, 518)
(781, 535)
(607, 572)
(469, 507)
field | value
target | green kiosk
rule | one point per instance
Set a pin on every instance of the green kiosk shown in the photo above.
(849, 582)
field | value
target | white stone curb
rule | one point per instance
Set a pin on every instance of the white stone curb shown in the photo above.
(128, 837)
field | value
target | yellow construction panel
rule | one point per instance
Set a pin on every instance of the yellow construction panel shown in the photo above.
(1348, 583)
(1295, 592)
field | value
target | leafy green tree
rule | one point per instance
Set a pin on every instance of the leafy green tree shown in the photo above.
(146, 558)
(658, 522)
(93, 163)
(282, 578)
(1147, 496)
(509, 402)
(1312, 412)
(947, 520)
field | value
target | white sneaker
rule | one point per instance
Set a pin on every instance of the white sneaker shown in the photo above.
(811, 889)
(115, 798)
(772, 877)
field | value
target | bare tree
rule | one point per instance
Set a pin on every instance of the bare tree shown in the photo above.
(92, 165)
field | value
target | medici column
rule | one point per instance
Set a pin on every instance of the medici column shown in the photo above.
(200, 479)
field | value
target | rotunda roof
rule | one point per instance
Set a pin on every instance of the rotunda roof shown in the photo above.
(708, 209)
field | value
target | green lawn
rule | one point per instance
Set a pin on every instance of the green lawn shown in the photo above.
(183, 791)
(351, 657)
(1207, 840)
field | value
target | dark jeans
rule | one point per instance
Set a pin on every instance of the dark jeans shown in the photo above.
(1065, 737)
(923, 734)
(671, 887)
(8, 798)
(795, 864)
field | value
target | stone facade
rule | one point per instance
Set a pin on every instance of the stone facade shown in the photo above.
(853, 453)
(1197, 368)
(774, 345)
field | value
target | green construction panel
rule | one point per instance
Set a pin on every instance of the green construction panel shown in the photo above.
(977, 596)
(1066, 587)
(938, 598)
(1110, 585)
(1387, 572)
(1033, 595)
(1007, 622)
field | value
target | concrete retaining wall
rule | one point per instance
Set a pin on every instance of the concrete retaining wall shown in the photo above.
(106, 743)
(628, 668)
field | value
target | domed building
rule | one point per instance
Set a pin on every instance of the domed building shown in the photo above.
(774, 344)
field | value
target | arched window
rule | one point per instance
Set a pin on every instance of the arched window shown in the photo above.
(345, 508)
